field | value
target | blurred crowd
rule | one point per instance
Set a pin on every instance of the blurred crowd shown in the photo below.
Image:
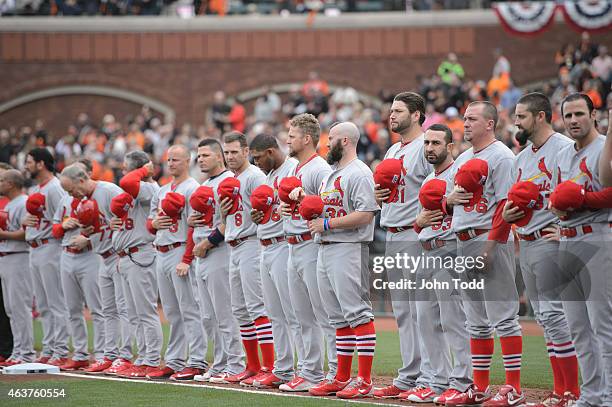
(584, 67)
(188, 8)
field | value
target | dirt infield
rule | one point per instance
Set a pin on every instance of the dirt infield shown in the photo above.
(533, 395)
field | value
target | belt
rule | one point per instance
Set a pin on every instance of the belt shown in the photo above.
(326, 243)
(469, 234)
(236, 242)
(398, 229)
(3, 254)
(37, 243)
(534, 236)
(273, 240)
(127, 252)
(167, 248)
(573, 232)
(107, 253)
(295, 239)
(77, 251)
(433, 244)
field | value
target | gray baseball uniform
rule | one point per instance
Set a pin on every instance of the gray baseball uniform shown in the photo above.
(275, 283)
(79, 270)
(212, 273)
(496, 306)
(45, 252)
(137, 269)
(537, 165)
(342, 263)
(440, 311)
(118, 329)
(177, 293)
(398, 217)
(585, 261)
(303, 285)
(17, 283)
(245, 277)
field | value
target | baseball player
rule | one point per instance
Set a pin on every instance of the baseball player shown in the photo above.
(46, 197)
(79, 268)
(483, 176)
(174, 244)
(397, 216)
(342, 264)
(605, 164)
(274, 256)
(533, 172)
(132, 242)
(245, 277)
(14, 269)
(118, 330)
(6, 336)
(212, 266)
(440, 312)
(584, 252)
(304, 131)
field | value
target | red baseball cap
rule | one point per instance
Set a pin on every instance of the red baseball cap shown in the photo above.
(121, 204)
(88, 214)
(35, 205)
(524, 195)
(567, 195)
(262, 199)
(472, 176)
(287, 185)
(388, 174)
(230, 188)
(311, 207)
(431, 194)
(203, 201)
(173, 204)
(4, 218)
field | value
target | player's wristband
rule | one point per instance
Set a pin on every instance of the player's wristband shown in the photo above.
(216, 237)
(326, 224)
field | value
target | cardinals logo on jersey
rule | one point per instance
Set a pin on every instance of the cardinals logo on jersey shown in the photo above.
(585, 170)
(334, 196)
(338, 187)
(543, 169)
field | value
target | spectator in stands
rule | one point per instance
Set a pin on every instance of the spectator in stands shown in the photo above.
(237, 116)
(601, 66)
(450, 69)
(502, 65)
(220, 110)
(511, 96)
(586, 50)
(315, 87)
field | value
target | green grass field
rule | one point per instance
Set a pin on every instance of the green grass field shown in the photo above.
(536, 373)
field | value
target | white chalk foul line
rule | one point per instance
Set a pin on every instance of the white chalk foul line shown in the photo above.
(234, 389)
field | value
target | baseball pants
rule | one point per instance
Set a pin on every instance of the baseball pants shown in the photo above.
(416, 368)
(494, 308)
(245, 282)
(313, 321)
(440, 316)
(138, 269)
(17, 296)
(343, 275)
(46, 279)
(80, 283)
(182, 311)
(212, 273)
(285, 327)
(585, 262)
(540, 275)
(117, 328)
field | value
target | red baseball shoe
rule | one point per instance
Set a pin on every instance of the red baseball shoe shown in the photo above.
(99, 366)
(57, 361)
(238, 378)
(389, 392)
(249, 381)
(161, 373)
(447, 394)
(298, 384)
(507, 396)
(552, 400)
(357, 388)
(328, 387)
(419, 394)
(270, 381)
(119, 365)
(72, 365)
(43, 359)
(187, 373)
(471, 397)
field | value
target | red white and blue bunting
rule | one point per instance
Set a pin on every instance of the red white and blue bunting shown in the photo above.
(585, 15)
(525, 18)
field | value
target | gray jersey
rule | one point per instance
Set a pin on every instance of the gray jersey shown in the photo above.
(537, 166)
(178, 231)
(499, 181)
(403, 211)
(582, 167)
(16, 211)
(103, 195)
(344, 191)
(134, 231)
(444, 230)
(63, 212)
(54, 193)
(200, 233)
(240, 225)
(311, 173)
(274, 227)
